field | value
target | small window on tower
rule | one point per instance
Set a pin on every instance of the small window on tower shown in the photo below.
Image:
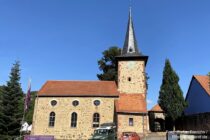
(130, 50)
(130, 121)
(129, 79)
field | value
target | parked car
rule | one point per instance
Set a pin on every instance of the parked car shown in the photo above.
(129, 136)
(111, 124)
(104, 133)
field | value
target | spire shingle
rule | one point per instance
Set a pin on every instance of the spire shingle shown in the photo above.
(130, 47)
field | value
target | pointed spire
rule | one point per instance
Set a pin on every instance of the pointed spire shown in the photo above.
(130, 47)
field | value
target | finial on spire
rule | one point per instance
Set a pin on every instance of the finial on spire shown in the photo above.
(130, 12)
(130, 5)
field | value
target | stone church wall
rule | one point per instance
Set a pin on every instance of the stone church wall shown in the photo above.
(63, 109)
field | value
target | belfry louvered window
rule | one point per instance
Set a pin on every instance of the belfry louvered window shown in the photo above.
(74, 119)
(96, 119)
(52, 119)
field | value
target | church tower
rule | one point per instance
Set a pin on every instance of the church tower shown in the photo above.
(131, 107)
(131, 64)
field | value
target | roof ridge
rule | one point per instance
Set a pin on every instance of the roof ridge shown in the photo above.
(66, 87)
(77, 81)
(201, 75)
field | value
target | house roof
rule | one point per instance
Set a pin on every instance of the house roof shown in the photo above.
(79, 88)
(131, 103)
(204, 81)
(156, 108)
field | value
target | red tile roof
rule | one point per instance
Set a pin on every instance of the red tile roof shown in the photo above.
(204, 82)
(156, 108)
(131, 103)
(79, 88)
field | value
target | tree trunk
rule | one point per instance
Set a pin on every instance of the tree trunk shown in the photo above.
(174, 128)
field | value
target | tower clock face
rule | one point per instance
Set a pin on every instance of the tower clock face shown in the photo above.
(131, 64)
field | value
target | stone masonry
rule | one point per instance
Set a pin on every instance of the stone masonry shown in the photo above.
(135, 71)
(63, 109)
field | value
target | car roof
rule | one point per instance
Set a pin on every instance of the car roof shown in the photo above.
(104, 127)
(108, 124)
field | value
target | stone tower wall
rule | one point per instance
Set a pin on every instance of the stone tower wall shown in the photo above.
(135, 70)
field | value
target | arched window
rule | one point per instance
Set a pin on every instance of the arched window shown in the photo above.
(96, 119)
(74, 119)
(52, 119)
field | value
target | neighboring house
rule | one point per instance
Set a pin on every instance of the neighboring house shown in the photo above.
(156, 119)
(198, 95)
(73, 109)
(198, 98)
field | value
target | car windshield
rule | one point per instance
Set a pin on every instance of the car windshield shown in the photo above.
(127, 134)
(101, 131)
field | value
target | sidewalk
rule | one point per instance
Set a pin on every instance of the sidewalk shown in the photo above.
(155, 136)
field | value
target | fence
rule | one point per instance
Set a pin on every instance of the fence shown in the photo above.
(195, 122)
(188, 135)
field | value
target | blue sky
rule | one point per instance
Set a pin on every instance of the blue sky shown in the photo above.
(62, 40)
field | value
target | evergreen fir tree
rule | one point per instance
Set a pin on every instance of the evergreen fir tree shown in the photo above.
(12, 100)
(1, 113)
(171, 98)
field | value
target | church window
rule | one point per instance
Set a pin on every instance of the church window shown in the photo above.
(74, 119)
(75, 103)
(53, 102)
(52, 119)
(130, 121)
(96, 102)
(129, 79)
(96, 119)
(130, 50)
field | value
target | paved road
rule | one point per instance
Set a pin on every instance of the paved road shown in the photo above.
(155, 136)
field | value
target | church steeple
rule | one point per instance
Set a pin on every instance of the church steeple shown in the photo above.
(130, 47)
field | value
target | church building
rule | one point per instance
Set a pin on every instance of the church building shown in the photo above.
(74, 109)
